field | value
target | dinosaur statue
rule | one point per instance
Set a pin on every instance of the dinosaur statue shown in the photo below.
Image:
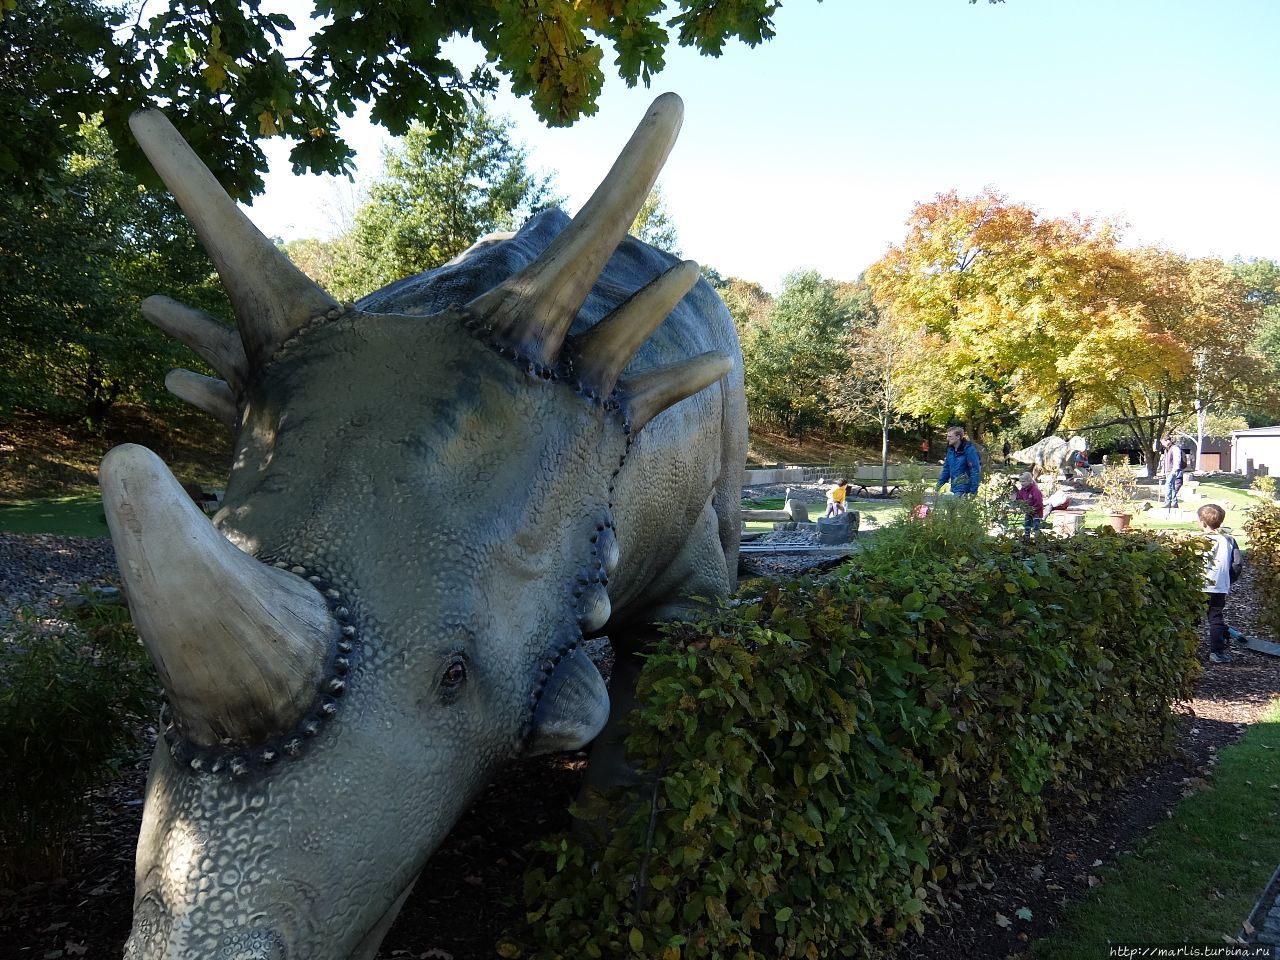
(1050, 454)
(344, 664)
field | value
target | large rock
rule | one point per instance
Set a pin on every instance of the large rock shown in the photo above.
(840, 529)
(798, 510)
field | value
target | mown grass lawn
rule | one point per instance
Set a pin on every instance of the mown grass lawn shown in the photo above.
(73, 515)
(873, 512)
(1196, 876)
(1230, 493)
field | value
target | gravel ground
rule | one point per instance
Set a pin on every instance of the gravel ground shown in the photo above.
(39, 572)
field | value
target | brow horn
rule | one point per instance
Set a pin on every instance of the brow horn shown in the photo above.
(270, 296)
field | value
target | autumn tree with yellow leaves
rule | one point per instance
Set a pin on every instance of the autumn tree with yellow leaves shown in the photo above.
(1012, 307)
(1186, 347)
(1050, 320)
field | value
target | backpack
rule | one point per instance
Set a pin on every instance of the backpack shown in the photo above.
(1237, 558)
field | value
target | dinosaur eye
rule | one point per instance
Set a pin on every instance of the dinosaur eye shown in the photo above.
(454, 675)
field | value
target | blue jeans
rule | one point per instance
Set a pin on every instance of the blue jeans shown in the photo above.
(1172, 484)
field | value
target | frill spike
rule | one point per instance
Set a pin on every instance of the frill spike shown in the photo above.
(213, 341)
(211, 395)
(605, 349)
(651, 392)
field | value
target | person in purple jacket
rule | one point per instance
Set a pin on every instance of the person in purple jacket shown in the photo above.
(1032, 501)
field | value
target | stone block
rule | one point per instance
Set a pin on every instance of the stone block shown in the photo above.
(835, 530)
(798, 510)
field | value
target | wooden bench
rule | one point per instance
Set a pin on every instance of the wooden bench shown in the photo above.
(871, 475)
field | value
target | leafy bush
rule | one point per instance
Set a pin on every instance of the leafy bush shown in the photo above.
(71, 706)
(1265, 485)
(1262, 524)
(1116, 486)
(993, 500)
(819, 761)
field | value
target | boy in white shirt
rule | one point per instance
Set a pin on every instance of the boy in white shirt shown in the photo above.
(1217, 577)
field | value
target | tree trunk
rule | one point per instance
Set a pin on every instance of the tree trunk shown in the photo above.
(1201, 416)
(1059, 412)
(884, 454)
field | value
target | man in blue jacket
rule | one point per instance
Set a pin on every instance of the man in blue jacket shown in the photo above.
(962, 466)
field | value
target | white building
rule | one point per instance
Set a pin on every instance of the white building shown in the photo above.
(1256, 451)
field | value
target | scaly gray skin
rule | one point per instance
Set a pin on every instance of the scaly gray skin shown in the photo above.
(467, 513)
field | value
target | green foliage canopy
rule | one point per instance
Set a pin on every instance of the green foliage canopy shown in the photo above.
(431, 205)
(232, 73)
(75, 265)
(654, 224)
(790, 355)
(1261, 279)
(428, 206)
(47, 83)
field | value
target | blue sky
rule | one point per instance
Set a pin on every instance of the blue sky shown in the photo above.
(810, 150)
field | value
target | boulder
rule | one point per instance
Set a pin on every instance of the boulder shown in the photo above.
(839, 529)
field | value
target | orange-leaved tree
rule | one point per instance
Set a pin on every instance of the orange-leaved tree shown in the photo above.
(1012, 305)
(1187, 347)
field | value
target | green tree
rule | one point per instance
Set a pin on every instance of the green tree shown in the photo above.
(429, 206)
(1261, 279)
(790, 357)
(74, 269)
(335, 264)
(748, 302)
(48, 81)
(874, 383)
(654, 224)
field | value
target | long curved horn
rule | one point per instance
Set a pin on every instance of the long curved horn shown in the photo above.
(534, 309)
(214, 342)
(240, 646)
(212, 396)
(605, 349)
(270, 296)
(651, 392)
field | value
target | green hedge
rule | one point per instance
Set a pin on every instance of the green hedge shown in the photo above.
(1263, 527)
(72, 708)
(821, 759)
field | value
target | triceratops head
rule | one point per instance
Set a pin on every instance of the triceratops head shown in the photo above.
(417, 531)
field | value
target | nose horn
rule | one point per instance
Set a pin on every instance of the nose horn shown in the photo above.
(240, 646)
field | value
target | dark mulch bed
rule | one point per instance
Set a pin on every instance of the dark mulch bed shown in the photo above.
(470, 890)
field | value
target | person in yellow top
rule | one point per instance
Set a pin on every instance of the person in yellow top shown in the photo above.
(836, 497)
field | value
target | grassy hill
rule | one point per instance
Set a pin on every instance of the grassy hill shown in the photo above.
(770, 448)
(42, 457)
